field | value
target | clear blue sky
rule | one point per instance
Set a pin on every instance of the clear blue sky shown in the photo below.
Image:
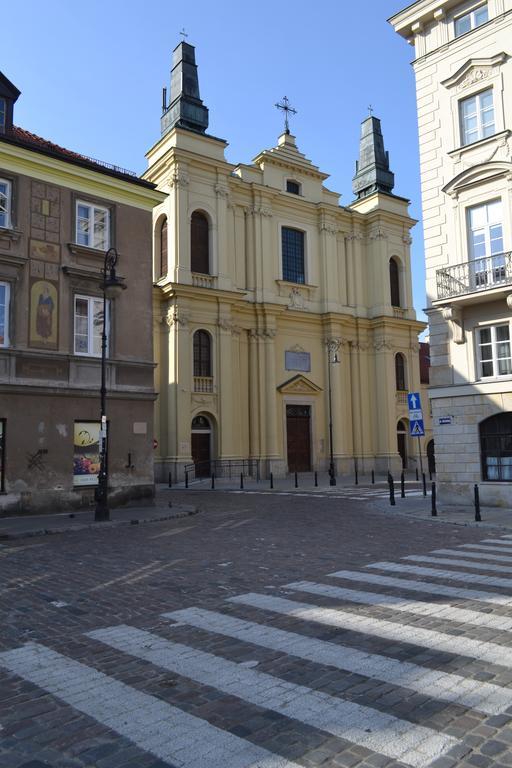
(91, 76)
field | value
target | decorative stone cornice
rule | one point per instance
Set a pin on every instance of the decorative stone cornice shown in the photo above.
(381, 344)
(359, 346)
(260, 210)
(330, 229)
(178, 178)
(378, 234)
(226, 324)
(355, 236)
(221, 190)
(177, 317)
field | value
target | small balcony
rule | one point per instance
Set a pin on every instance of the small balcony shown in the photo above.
(200, 280)
(203, 384)
(473, 277)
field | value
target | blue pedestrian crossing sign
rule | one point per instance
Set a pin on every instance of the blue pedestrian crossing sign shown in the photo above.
(416, 425)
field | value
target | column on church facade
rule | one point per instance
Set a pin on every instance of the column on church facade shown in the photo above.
(341, 258)
(359, 267)
(226, 383)
(161, 353)
(346, 442)
(225, 265)
(351, 270)
(368, 383)
(270, 405)
(387, 456)
(179, 223)
(328, 263)
(179, 388)
(254, 395)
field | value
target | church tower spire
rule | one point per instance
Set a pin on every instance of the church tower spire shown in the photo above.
(372, 168)
(186, 110)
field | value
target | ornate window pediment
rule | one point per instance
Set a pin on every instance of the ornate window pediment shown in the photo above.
(475, 71)
(478, 174)
(299, 385)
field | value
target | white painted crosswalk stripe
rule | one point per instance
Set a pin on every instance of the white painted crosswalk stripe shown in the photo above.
(412, 744)
(459, 593)
(388, 630)
(504, 546)
(459, 563)
(437, 573)
(504, 558)
(153, 725)
(442, 611)
(485, 697)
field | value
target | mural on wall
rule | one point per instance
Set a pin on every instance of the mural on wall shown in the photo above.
(86, 457)
(43, 313)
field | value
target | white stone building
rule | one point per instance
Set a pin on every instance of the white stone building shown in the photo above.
(464, 95)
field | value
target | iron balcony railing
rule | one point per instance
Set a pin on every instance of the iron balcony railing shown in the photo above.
(476, 275)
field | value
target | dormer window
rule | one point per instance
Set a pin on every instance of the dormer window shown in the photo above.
(293, 187)
(471, 20)
(3, 114)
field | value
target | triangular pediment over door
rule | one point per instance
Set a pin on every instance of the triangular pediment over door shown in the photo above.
(299, 385)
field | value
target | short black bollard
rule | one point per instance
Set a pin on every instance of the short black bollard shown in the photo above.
(186, 478)
(170, 479)
(417, 474)
(271, 480)
(213, 482)
(316, 479)
(296, 480)
(373, 477)
(402, 486)
(424, 484)
(478, 518)
(241, 481)
(391, 490)
(357, 479)
(434, 507)
(430, 473)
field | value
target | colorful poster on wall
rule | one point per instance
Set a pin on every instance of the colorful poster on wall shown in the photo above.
(86, 459)
(43, 314)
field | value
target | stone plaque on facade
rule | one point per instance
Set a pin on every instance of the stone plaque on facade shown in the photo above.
(297, 361)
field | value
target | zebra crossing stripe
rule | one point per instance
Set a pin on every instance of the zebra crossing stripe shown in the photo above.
(388, 630)
(153, 725)
(485, 697)
(459, 563)
(504, 558)
(412, 744)
(437, 573)
(423, 586)
(420, 607)
(503, 544)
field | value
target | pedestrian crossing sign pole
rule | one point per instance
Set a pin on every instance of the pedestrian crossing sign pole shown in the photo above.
(416, 423)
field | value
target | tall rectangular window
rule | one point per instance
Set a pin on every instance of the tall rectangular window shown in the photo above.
(477, 117)
(494, 351)
(5, 203)
(89, 325)
(92, 226)
(292, 243)
(4, 314)
(488, 263)
(471, 20)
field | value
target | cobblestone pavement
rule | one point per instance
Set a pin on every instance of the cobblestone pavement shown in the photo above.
(270, 631)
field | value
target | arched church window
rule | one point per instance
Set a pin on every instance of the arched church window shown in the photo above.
(394, 282)
(400, 373)
(496, 447)
(202, 354)
(163, 249)
(199, 243)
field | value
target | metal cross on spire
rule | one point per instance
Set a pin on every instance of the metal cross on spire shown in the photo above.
(287, 109)
(183, 34)
(370, 110)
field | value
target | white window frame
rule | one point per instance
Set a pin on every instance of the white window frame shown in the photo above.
(7, 307)
(494, 351)
(8, 206)
(92, 208)
(90, 327)
(472, 23)
(479, 114)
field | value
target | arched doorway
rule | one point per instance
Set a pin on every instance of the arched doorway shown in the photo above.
(431, 457)
(401, 439)
(202, 445)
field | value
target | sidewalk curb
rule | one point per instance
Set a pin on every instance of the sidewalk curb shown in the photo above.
(468, 523)
(104, 524)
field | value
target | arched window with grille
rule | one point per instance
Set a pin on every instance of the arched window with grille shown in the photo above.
(496, 447)
(400, 373)
(163, 262)
(394, 282)
(203, 381)
(200, 243)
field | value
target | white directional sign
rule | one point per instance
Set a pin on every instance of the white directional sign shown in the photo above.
(416, 425)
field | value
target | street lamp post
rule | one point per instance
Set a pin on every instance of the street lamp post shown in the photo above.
(332, 359)
(112, 286)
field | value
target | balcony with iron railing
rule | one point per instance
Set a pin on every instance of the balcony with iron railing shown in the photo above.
(490, 273)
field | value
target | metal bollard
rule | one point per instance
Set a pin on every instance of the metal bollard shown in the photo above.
(296, 480)
(271, 480)
(434, 507)
(478, 518)
(373, 477)
(213, 481)
(402, 485)
(417, 474)
(391, 490)
(316, 479)
(424, 484)
(357, 479)
(241, 481)
(170, 479)
(186, 478)
(430, 473)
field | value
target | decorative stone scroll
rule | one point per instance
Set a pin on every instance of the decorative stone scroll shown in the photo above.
(453, 316)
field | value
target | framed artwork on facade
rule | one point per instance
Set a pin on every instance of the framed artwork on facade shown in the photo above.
(86, 454)
(44, 311)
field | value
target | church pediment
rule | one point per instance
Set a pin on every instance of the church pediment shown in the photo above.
(287, 155)
(474, 71)
(299, 385)
(483, 172)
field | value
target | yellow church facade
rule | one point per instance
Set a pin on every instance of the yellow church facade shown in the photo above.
(285, 335)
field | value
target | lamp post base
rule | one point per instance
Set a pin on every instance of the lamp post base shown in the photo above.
(332, 475)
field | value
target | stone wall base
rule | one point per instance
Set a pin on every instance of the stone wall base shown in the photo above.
(51, 501)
